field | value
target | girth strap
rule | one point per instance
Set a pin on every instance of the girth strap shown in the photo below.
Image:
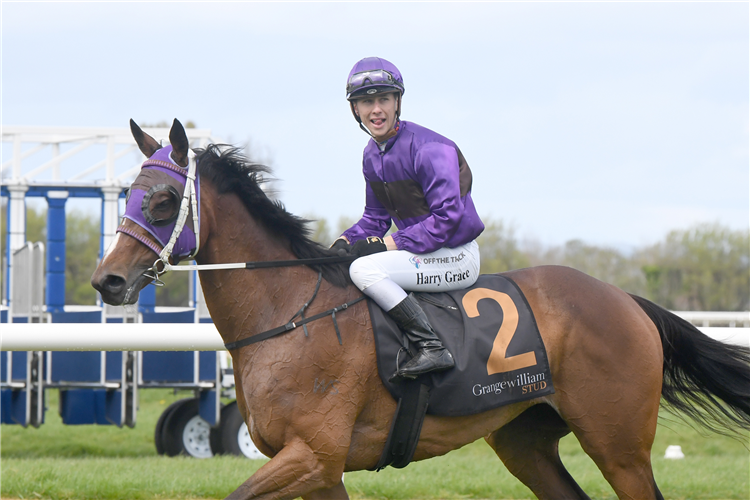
(292, 325)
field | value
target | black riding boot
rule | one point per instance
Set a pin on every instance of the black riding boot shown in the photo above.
(432, 356)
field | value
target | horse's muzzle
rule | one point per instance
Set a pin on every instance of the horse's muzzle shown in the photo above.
(114, 289)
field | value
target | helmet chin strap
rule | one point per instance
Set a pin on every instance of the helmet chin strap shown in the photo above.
(362, 126)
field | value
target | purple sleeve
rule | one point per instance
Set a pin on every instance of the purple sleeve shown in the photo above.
(436, 166)
(374, 222)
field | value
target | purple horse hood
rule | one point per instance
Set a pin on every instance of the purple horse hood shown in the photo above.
(422, 183)
(161, 172)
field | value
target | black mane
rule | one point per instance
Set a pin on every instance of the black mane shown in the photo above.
(230, 171)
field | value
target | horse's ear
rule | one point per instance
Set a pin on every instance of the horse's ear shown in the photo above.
(180, 144)
(146, 143)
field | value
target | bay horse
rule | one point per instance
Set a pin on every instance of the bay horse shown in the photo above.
(613, 356)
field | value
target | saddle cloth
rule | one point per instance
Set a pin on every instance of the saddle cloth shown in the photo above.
(492, 334)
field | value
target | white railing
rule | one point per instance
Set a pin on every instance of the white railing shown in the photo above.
(712, 318)
(170, 337)
(110, 337)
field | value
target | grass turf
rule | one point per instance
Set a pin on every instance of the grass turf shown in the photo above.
(103, 462)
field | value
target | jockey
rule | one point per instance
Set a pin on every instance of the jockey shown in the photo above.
(420, 181)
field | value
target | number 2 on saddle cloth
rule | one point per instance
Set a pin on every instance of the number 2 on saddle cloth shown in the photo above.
(498, 362)
(493, 336)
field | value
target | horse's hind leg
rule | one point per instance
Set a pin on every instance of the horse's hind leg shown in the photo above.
(619, 443)
(528, 448)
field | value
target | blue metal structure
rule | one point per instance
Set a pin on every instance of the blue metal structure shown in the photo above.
(55, 294)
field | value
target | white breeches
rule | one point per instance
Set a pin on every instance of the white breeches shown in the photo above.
(439, 271)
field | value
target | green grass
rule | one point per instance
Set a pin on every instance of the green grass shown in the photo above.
(104, 462)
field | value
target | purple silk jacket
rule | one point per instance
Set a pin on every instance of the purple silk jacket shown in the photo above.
(423, 183)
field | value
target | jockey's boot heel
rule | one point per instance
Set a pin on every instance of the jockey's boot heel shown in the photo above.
(432, 355)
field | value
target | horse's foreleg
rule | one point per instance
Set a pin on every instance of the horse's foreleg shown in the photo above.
(295, 471)
(338, 492)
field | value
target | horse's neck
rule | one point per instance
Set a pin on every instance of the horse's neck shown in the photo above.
(245, 302)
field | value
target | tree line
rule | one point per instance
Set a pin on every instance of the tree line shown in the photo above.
(705, 267)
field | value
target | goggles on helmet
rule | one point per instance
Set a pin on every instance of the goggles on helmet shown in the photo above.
(372, 78)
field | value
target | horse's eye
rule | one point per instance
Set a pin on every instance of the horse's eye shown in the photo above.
(161, 205)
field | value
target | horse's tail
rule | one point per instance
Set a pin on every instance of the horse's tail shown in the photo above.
(705, 379)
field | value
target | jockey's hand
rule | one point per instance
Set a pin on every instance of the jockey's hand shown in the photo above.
(368, 246)
(341, 247)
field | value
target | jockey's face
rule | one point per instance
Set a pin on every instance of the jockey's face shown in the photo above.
(378, 113)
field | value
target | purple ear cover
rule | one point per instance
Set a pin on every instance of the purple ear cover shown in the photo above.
(152, 174)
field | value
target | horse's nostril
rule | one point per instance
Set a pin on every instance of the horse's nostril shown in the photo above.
(113, 284)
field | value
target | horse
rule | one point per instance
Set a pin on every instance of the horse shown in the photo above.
(613, 356)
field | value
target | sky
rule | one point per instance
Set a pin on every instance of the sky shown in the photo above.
(613, 123)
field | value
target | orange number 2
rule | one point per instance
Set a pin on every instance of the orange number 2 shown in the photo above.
(498, 363)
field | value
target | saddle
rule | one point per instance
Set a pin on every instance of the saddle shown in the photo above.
(500, 359)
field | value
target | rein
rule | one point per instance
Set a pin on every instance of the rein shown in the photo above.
(263, 264)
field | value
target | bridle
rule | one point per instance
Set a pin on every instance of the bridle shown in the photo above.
(189, 200)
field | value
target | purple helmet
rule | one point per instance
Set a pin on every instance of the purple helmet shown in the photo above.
(372, 75)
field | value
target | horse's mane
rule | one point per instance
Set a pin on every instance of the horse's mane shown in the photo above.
(231, 171)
